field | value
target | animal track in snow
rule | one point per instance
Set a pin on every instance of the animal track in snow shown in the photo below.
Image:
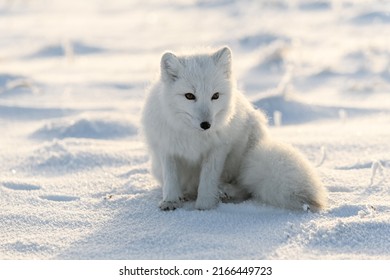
(20, 186)
(60, 198)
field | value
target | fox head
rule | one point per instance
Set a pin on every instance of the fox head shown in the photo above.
(198, 90)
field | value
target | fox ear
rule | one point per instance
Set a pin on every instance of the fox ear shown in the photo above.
(170, 67)
(223, 59)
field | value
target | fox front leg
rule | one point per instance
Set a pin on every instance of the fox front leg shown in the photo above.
(172, 193)
(212, 167)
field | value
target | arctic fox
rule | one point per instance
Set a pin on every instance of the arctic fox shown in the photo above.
(207, 142)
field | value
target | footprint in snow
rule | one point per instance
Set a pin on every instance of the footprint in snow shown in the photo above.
(21, 186)
(59, 198)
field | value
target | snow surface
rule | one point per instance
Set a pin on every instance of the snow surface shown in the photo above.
(74, 177)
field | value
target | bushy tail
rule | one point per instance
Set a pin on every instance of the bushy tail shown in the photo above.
(277, 174)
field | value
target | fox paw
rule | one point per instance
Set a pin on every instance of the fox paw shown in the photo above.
(206, 204)
(170, 205)
(232, 193)
(224, 197)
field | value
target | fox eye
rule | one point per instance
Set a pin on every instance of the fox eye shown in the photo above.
(190, 96)
(215, 96)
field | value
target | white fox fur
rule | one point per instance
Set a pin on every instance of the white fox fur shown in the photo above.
(208, 143)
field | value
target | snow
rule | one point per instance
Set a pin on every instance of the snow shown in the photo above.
(74, 171)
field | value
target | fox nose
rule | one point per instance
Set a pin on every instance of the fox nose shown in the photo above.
(205, 125)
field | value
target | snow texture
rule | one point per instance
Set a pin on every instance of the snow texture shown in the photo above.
(74, 171)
